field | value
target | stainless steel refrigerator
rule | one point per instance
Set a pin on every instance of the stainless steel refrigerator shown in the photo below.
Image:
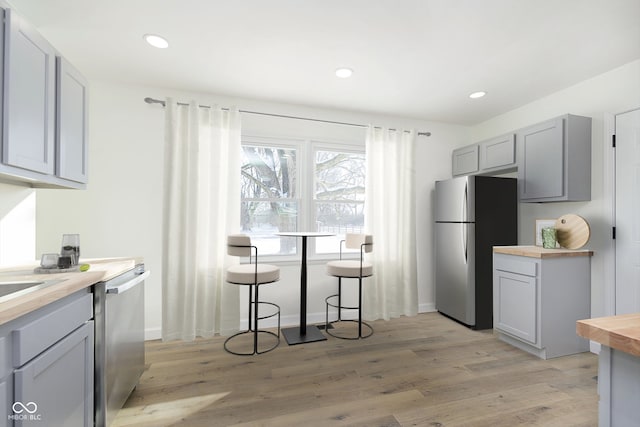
(472, 214)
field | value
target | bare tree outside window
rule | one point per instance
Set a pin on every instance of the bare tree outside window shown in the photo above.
(339, 195)
(269, 196)
(271, 203)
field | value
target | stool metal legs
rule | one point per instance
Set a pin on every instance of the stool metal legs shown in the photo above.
(330, 302)
(254, 317)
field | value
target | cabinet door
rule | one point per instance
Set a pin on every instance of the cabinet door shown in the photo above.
(465, 160)
(498, 153)
(6, 400)
(541, 160)
(60, 382)
(515, 305)
(29, 97)
(71, 129)
(6, 379)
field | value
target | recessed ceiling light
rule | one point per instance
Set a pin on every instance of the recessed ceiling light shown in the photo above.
(344, 73)
(476, 95)
(156, 41)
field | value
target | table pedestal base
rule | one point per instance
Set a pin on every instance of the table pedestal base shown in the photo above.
(292, 335)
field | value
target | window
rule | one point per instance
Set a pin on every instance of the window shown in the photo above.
(339, 195)
(290, 185)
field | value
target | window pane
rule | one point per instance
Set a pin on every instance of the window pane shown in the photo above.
(339, 196)
(261, 220)
(339, 176)
(268, 192)
(338, 218)
(268, 172)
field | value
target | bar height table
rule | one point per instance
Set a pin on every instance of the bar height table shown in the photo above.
(304, 333)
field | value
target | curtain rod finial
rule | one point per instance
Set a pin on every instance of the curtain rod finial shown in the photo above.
(150, 100)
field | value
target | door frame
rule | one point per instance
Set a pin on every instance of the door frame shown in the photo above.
(610, 210)
(609, 187)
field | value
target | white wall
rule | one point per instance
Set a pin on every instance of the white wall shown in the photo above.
(120, 214)
(613, 92)
(17, 225)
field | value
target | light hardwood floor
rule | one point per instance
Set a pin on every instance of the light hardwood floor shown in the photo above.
(414, 371)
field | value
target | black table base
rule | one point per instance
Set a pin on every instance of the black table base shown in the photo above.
(293, 336)
(304, 333)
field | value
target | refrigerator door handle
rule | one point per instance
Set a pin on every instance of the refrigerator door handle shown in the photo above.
(465, 241)
(465, 203)
(465, 218)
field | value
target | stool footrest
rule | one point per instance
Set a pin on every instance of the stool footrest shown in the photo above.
(330, 302)
(256, 332)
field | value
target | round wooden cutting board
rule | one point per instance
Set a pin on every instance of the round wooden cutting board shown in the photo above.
(572, 231)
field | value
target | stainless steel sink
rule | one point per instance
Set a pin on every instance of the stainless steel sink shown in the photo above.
(10, 289)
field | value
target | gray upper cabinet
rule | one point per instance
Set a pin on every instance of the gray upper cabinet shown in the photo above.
(554, 160)
(29, 97)
(44, 110)
(71, 129)
(465, 160)
(498, 154)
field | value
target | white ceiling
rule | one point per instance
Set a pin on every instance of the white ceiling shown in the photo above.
(412, 58)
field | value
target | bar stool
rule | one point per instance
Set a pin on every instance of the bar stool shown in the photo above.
(352, 269)
(252, 275)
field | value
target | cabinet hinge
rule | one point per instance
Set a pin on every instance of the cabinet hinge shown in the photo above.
(613, 234)
(613, 141)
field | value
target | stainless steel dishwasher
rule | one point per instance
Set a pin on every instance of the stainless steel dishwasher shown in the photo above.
(119, 341)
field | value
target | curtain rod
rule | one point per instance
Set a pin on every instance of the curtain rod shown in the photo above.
(149, 100)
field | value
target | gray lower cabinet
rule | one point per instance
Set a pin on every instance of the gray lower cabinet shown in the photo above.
(465, 160)
(6, 387)
(44, 110)
(6, 379)
(618, 388)
(554, 160)
(67, 365)
(47, 363)
(537, 301)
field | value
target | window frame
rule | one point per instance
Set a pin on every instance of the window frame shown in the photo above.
(306, 149)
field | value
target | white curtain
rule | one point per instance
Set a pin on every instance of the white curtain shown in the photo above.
(392, 291)
(201, 206)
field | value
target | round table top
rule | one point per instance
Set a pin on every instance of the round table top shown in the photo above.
(304, 234)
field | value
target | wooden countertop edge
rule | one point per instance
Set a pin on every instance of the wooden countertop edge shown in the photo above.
(17, 307)
(101, 270)
(539, 252)
(619, 332)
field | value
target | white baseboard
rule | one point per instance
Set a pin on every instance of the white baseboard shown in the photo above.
(151, 334)
(427, 308)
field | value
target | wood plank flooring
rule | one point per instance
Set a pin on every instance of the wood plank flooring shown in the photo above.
(414, 371)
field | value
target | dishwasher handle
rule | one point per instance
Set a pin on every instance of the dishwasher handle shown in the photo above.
(129, 284)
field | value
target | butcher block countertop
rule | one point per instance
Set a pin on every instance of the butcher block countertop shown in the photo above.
(66, 284)
(540, 252)
(619, 332)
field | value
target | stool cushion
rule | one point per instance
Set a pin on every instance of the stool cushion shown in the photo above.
(244, 274)
(349, 268)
